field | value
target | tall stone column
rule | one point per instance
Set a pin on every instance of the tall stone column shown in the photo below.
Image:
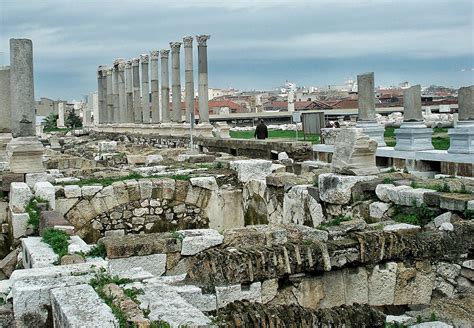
(129, 91)
(60, 121)
(137, 103)
(145, 89)
(188, 76)
(203, 91)
(367, 116)
(155, 87)
(110, 99)
(101, 95)
(115, 94)
(165, 86)
(413, 134)
(25, 152)
(176, 81)
(462, 136)
(5, 115)
(122, 107)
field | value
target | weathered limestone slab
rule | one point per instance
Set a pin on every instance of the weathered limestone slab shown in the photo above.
(37, 254)
(401, 227)
(19, 224)
(382, 283)
(72, 191)
(229, 294)
(337, 189)
(32, 178)
(251, 169)
(167, 305)
(106, 147)
(80, 306)
(26, 155)
(140, 245)
(20, 195)
(154, 264)
(77, 245)
(46, 191)
(414, 284)
(198, 240)
(31, 297)
(354, 153)
(300, 208)
(378, 209)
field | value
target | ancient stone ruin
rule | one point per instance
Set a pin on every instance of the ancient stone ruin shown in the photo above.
(124, 224)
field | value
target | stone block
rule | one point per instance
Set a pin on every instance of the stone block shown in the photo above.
(72, 191)
(33, 178)
(146, 188)
(228, 294)
(72, 259)
(455, 202)
(269, 290)
(19, 224)
(90, 191)
(194, 296)
(37, 254)
(198, 240)
(300, 208)
(167, 305)
(356, 286)
(53, 220)
(8, 178)
(46, 191)
(414, 284)
(63, 205)
(107, 147)
(400, 227)
(31, 297)
(154, 264)
(337, 189)
(378, 209)
(136, 159)
(80, 306)
(410, 196)
(26, 155)
(9, 262)
(440, 219)
(333, 287)
(256, 169)
(3, 212)
(77, 245)
(432, 324)
(208, 183)
(153, 159)
(20, 195)
(382, 283)
(140, 245)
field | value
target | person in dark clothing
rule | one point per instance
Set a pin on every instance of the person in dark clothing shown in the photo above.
(261, 132)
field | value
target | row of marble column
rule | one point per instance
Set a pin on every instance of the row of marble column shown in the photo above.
(124, 93)
(413, 135)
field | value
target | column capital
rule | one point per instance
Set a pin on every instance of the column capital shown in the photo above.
(202, 39)
(188, 41)
(121, 66)
(175, 46)
(128, 64)
(144, 58)
(101, 71)
(110, 71)
(118, 61)
(154, 54)
(135, 61)
(164, 53)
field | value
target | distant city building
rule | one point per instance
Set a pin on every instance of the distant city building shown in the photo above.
(45, 106)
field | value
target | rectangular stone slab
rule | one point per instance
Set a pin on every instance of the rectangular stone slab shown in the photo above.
(80, 306)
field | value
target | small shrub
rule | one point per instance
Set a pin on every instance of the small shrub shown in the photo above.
(463, 190)
(414, 185)
(133, 293)
(219, 165)
(58, 240)
(160, 324)
(443, 188)
(33, 213)
(176, 235)
(392, 170)
(97, 251)
(469, 214)
(183, 177)
(388, 181)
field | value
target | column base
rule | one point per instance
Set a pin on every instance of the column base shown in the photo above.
(25, 155)
(165, 129)
(179, 130)
(413, 136)
(203, 130)
(5, 138)
(374, 131)
(462, 138)
(222, 130)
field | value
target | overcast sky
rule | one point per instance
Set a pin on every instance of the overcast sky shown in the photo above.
(255, 44)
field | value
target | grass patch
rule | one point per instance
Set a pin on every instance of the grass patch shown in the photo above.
(183, 177)
(388, 181)
(34, 212)
(160, 324)
(443, 188)
(334, 222)
(278, 134)
(440, 139)
(176, 235)
(98, 283)
(414, 215)
(440, 143)
(58, 240)
(469, 214)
